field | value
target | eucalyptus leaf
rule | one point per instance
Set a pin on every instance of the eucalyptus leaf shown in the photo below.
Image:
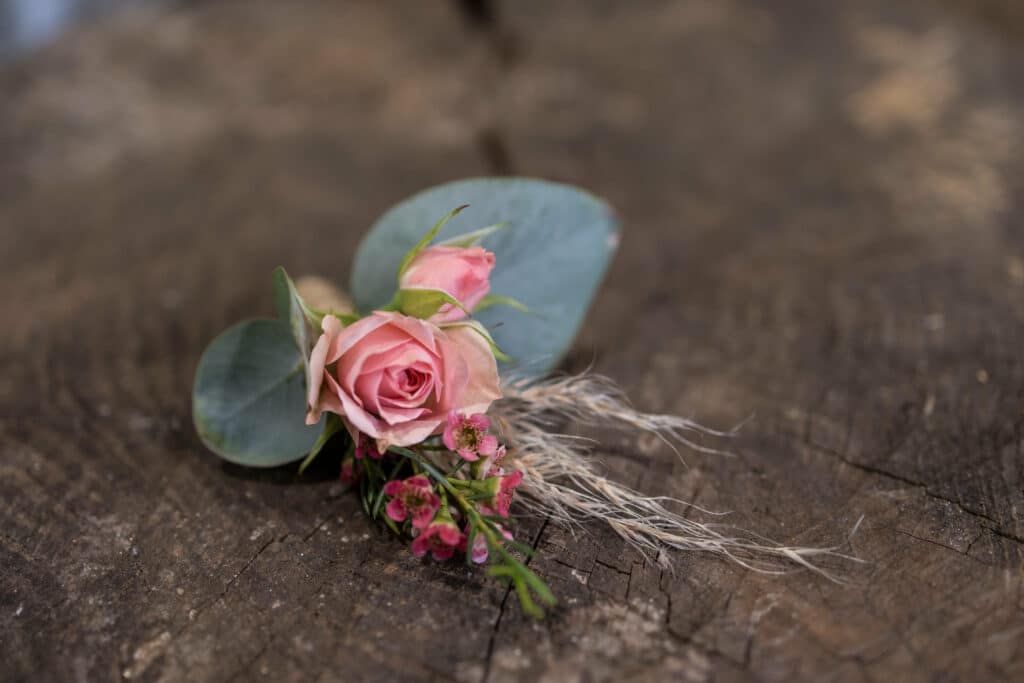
(551, 257)
(249, 396)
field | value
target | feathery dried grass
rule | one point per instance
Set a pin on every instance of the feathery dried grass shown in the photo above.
(560, 479)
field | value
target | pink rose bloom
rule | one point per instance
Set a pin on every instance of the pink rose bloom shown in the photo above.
(462, 272)
(395, 378)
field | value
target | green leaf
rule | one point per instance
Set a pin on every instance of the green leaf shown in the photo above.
(539, 587)
(426, 240)
(364, 494)
(332, 427)
(523, 548)
(380, 494)
(249, 396)
(423, 303)
(294, 311)
(525, 601)
(551, 258)
(496, 299)
(471, 239)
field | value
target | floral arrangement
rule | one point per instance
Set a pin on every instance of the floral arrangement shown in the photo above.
(437, 439)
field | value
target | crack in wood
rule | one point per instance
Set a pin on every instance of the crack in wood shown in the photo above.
(878, 471)
(964, 553)
(200, 610)
(504, 601)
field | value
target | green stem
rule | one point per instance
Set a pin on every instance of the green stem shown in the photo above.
(522, 578)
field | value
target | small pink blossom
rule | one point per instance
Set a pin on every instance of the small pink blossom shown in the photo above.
(502, 487)
(468, 436)
(413, 496)
(491, 463)
(441, 538)
(479, 547)
(480, 551)
(350, 471)
(367, 448)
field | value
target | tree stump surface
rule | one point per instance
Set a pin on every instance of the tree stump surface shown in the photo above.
(821, 206)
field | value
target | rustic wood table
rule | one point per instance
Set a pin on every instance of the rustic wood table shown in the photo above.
(821, 206)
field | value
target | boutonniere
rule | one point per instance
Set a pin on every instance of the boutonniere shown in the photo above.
(435, 385)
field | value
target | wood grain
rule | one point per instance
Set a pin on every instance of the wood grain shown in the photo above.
(822, 231)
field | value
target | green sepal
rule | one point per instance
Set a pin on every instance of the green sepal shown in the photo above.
(293, 310)
(290, 307)
(471, 239)
(498, 300)
(482, 331)
(422, 303)
(422, 244)
(345, 318)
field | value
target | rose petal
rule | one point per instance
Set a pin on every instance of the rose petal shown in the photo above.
(483, 386)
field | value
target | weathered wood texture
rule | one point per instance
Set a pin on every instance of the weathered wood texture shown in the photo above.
(822, 229)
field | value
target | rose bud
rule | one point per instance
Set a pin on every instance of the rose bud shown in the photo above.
(461, 272)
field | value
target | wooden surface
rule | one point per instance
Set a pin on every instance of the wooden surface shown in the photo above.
(822, 216)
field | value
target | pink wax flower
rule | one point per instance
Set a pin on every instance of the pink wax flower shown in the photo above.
(480, 551)
(395, 378)
(501, 485)
(441, 538)
(413, 496)
(366, 448)
(468, 436)
(462, 272)
(350, 471)
(479, 547)
(491, 463)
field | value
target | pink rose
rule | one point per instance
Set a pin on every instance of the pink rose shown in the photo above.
(462, 272)
(395, 378)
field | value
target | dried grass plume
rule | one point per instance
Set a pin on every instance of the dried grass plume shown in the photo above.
(561, 478)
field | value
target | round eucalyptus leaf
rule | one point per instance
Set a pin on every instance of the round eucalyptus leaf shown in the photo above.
(249, 396)
(551, 255)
